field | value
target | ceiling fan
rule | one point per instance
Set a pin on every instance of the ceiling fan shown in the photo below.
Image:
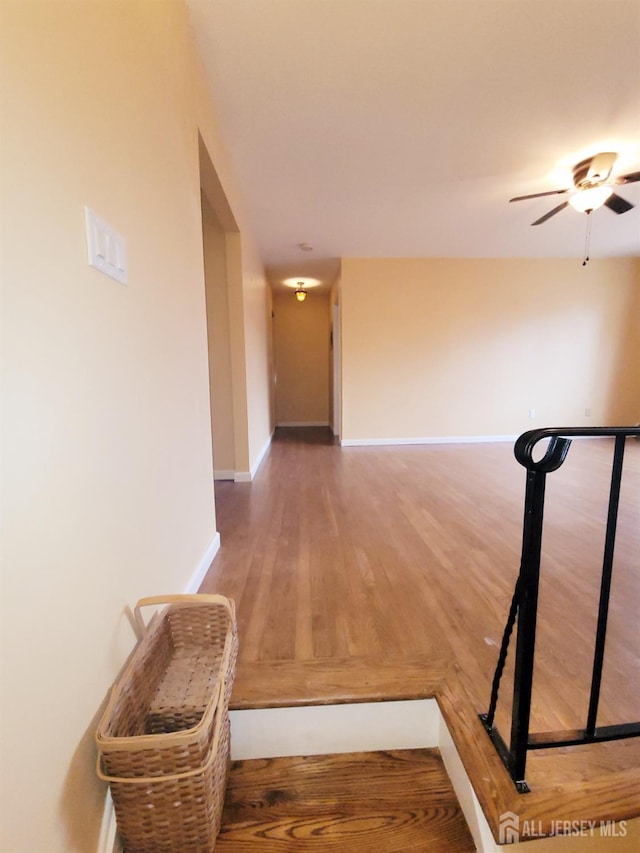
(592, 187)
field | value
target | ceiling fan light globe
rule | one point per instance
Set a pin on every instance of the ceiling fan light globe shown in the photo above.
(590, 199)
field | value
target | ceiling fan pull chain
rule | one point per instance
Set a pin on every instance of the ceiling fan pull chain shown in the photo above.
(587, 240)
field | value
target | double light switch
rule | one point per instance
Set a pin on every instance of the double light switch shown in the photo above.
(106, 248)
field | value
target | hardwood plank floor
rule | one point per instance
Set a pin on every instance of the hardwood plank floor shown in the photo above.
(390, 802)
(351, 566)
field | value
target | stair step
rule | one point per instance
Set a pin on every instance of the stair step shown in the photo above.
(285, 683)
(387, 802)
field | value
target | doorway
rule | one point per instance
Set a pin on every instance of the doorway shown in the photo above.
(218, 230)
(301, 344)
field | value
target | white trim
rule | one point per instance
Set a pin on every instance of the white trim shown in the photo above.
(108, 841)
(204, 565)
(247, 476)
(303, 424)
(448, 439)
(224, 474)
(466, 796)
(329, 729)
(260, 457)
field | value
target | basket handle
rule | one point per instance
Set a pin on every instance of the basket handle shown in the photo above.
(220, 716)
(196, 598)
(150, 741)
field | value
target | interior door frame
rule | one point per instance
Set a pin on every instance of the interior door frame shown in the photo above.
(336, 355)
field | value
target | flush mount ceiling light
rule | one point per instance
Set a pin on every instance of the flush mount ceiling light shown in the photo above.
(301, 293)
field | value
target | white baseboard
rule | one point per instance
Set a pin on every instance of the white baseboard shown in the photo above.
(260, 457)
(303, 424)
(247, 476)
(224, 474)
(476, 821)
(109, 841)
(204, 565)
(450, 439)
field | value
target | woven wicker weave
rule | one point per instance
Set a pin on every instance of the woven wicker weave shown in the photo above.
(164, 737)
(180, 813)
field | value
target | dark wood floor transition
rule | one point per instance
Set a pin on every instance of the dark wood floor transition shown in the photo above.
(387, 572)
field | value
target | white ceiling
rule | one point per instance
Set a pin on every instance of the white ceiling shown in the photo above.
(401, 128)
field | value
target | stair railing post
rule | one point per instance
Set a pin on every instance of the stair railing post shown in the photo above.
(527, 615)
(524, 605)
(605, 585)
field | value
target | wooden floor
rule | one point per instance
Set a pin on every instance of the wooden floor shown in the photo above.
(387, 572)
(388, 802)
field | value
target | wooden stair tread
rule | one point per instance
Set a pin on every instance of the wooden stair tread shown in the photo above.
(392, 801)
(288, 683)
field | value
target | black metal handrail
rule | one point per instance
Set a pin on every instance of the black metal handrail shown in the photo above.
(524, 604)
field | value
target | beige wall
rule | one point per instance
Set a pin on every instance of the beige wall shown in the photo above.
(462, 347)
(219, 340)
(301, 346)
(257, 352)
(107, 468)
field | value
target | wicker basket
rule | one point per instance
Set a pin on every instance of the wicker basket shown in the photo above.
(178, 813)
(163, 740)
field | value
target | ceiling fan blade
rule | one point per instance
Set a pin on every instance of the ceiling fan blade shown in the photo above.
(551, 213)
(628, 179)
(538, 195)
(618, 204)
(601, 166)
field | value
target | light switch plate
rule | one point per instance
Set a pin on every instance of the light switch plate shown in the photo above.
(106, 249)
